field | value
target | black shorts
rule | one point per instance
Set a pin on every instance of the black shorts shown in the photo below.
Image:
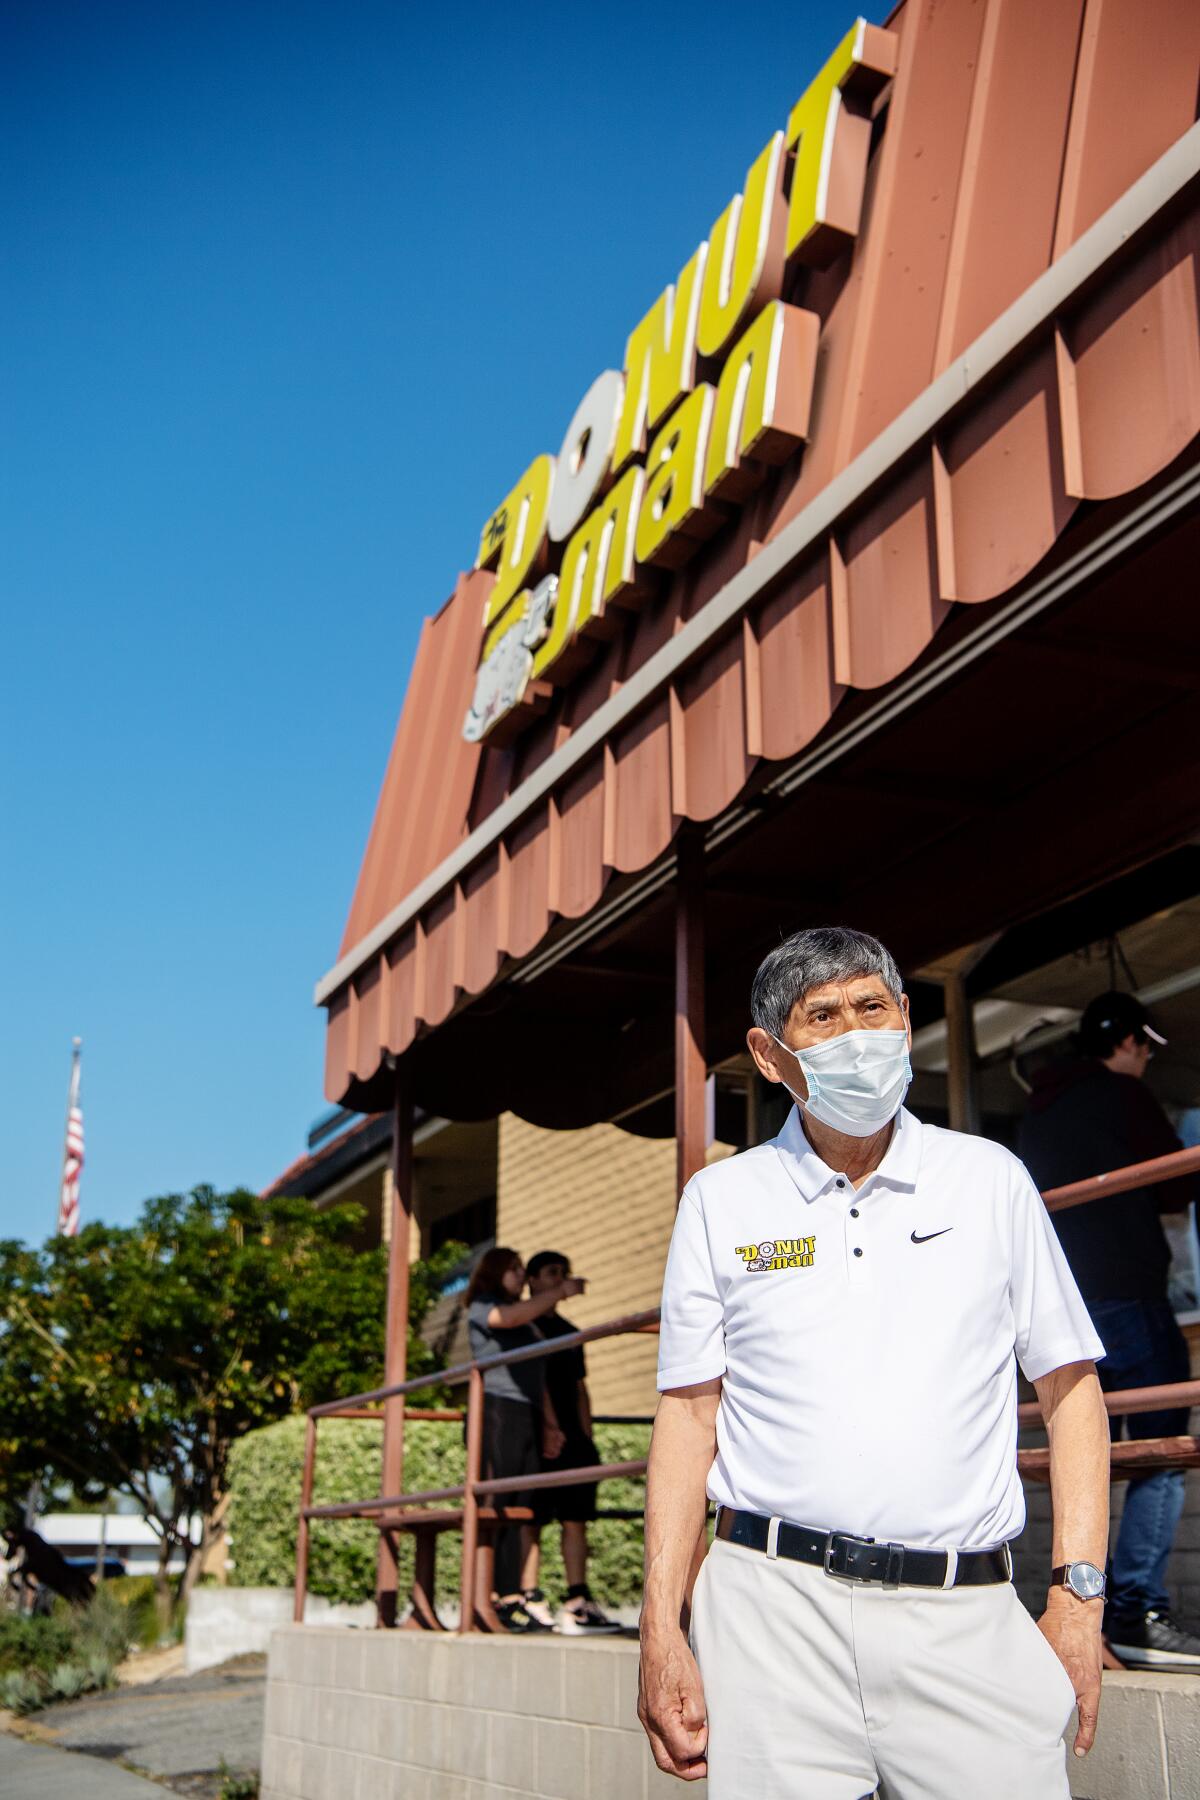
(511, 1433)
(577, 1501)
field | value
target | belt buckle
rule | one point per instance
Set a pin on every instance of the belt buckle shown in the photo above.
(840, 1541)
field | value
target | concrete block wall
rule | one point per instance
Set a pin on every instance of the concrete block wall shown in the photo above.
(400, 1716)
(1147, 1742)
(223, 1622)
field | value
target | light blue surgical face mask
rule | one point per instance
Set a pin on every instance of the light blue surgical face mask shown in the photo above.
(856, 1082)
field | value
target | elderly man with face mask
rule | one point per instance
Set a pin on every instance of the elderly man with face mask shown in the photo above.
(843, 1312)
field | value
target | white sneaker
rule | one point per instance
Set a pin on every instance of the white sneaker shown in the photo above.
(583, 1618)
(534, 1603)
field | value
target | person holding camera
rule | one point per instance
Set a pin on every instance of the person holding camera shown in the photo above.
(519, 1425)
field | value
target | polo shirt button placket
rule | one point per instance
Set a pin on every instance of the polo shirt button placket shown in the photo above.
(856, 1260)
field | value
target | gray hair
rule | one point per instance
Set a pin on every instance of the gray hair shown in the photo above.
(815, 958)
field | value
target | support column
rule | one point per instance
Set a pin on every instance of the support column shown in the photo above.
(691, 1099)
(690, 1071)
(962, 1074)
(395, 1366)
(306, 1494)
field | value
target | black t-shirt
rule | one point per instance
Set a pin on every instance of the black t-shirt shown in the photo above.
(564, 1372)
(1085, 1120)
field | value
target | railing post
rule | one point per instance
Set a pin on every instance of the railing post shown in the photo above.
(396, 1354)
(470, 1528)
(306, 1493)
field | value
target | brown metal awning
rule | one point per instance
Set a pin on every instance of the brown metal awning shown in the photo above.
(1008, 357)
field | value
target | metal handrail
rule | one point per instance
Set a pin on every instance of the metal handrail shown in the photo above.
(454, 1415)
(460, 1372)
(388, 1510)
(1124, 1401)
(1166, 1397)
(1119, 1181)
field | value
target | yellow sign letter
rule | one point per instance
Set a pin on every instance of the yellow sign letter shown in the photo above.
(597, 572)
(745, 252)
(672, 517)
(831, 145)
(512, 542)
(660, 361)
(763, 398)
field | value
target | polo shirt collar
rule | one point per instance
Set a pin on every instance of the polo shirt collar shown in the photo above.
(899, 1168)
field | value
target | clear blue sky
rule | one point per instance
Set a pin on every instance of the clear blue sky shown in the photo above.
(290, 295)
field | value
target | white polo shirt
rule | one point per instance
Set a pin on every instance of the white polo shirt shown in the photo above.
(866, 1339)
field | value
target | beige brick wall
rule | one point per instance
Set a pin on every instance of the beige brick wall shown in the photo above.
(607, 1199)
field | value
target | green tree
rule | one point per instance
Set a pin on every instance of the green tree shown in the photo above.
(131, 1358)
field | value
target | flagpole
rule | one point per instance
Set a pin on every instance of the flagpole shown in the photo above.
(72, 1163)
(69, 1153)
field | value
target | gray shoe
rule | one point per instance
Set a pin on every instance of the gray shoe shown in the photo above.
(1153, 1642)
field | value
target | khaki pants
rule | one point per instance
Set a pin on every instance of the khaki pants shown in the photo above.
(822, 1689)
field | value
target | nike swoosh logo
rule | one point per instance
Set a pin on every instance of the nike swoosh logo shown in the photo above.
(931, 1234)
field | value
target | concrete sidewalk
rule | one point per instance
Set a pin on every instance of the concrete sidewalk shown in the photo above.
(40, 1772)
(179, 1729)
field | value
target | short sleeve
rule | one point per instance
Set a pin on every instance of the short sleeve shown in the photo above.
(691, 1343)
(483, 1339)
(1051, 1321)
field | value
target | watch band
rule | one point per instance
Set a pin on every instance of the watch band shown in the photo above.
(1060, 1577)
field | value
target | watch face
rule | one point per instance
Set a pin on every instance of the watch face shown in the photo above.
(1086, 1580)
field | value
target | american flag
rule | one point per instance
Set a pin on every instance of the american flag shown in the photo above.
(68, 1196)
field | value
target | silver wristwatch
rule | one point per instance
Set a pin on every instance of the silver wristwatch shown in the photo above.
(1084, 1579)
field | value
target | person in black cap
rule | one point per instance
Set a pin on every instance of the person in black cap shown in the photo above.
(1087, 1117)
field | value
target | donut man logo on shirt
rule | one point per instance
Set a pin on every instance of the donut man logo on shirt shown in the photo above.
(778, 1253)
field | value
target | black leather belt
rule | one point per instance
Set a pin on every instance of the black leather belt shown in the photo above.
(863, 1559)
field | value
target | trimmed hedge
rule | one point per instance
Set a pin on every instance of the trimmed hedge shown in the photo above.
(264, 1493)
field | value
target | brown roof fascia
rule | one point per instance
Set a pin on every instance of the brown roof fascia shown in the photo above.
(308, 1174)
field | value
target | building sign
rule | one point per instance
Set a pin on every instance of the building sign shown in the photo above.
(716, 387)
